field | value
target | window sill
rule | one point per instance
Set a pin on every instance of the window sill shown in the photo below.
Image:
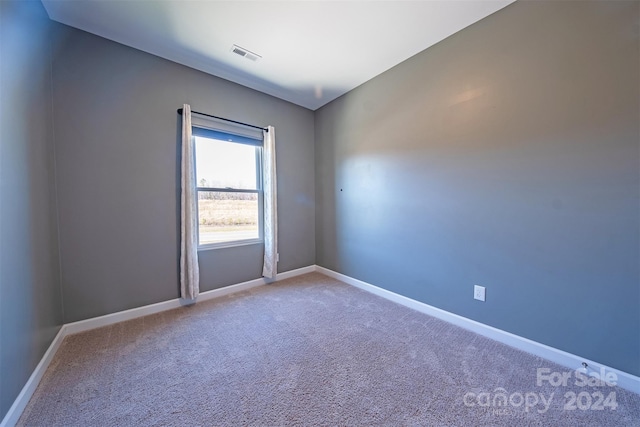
(233, 244)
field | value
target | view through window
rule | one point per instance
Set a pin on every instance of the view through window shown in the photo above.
(229, 186)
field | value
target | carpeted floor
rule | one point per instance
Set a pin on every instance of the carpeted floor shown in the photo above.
(308, 351)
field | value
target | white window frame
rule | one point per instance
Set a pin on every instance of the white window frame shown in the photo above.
(206, 123)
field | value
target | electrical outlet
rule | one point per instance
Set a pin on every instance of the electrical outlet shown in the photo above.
(479, 292)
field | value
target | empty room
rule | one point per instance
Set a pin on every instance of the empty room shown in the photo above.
(319, 213)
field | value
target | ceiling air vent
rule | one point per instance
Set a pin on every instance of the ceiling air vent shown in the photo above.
(245, 53)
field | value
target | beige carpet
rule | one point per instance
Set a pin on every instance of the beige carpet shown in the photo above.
(309, 351)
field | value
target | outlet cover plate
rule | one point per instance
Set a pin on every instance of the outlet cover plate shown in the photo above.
(479, 292)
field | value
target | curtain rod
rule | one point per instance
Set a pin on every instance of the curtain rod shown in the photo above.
(226, 120)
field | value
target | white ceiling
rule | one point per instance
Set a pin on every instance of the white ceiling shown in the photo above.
(312, 51)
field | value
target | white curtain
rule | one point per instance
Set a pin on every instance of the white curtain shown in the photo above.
(189, 272)
(270, 267)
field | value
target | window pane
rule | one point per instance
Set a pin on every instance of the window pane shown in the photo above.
(223, 164)
(225, 217)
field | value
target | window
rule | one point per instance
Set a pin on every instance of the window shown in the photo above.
(229, 188)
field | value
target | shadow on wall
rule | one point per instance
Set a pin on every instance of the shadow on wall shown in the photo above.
(30, 303)
(505, 155)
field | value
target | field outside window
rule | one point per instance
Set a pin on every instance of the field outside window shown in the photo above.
(228, 177)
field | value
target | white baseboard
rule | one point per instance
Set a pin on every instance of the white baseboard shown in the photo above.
(571, 361)
(121, 316)
(568, 360)
(12, 417)
(296, 272)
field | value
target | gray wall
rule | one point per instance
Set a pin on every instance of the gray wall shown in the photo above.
(30, 297)
(117, 136)
(506, 156)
